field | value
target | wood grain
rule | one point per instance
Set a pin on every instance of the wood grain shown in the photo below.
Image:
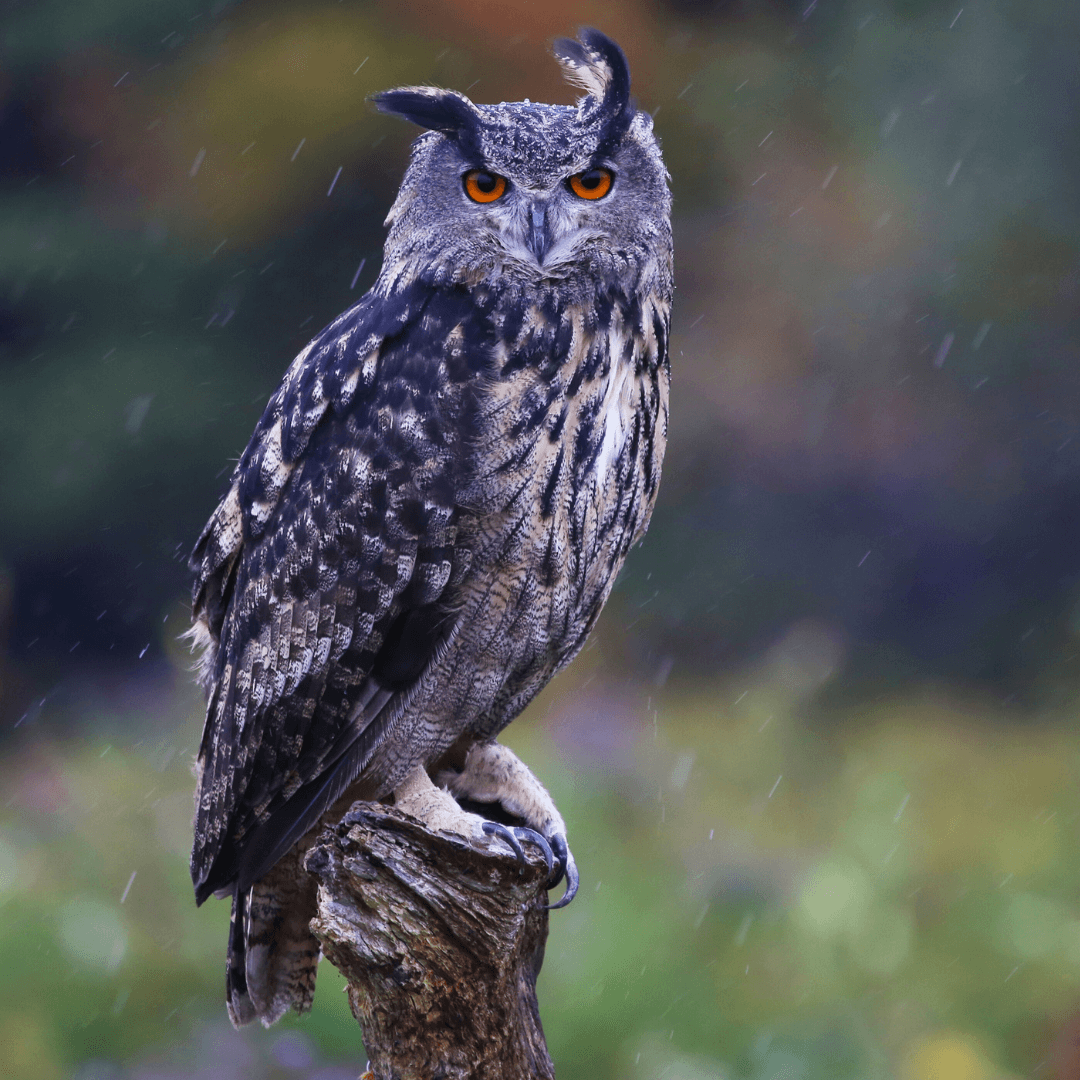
(441, 941)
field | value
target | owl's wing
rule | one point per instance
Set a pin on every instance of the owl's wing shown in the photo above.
(324, 579)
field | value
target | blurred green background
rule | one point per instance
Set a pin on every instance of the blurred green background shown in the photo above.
(820, 760)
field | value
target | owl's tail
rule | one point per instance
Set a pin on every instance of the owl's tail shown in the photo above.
(272, 955)
(237, 999)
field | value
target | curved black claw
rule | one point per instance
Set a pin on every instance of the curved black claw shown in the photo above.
(565, 865)
(495, 828)
(523, 833)
(512, 834)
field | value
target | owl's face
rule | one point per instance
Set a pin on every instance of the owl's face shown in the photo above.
(531, 191)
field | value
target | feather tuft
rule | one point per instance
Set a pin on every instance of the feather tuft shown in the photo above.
(598, 66)
(433, 108)
(201, 642)
(583, 68)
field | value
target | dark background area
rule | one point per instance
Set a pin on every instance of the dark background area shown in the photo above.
(164, 256)
(869, 513)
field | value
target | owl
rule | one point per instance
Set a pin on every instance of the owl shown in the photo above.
(434, 505)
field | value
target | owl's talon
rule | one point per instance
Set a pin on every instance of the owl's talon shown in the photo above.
(524, 833)
(565, 865)
(495, 828)
(512, 834)
(562, 852)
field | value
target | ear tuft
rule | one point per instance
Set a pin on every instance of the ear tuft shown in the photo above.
(596, 64)
(583, 67)
(433, 108)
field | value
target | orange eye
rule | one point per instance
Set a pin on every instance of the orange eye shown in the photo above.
(594, 184)
(483, 187)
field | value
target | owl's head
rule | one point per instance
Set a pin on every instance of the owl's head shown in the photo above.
(532, 191)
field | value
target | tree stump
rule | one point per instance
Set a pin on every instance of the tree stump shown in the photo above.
(441, 940)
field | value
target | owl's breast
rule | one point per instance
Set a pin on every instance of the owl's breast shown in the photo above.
(570, 439)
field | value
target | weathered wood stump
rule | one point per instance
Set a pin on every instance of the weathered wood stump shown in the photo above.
(441, 941)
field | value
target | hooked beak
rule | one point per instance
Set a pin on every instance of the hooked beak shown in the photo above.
(538, 238)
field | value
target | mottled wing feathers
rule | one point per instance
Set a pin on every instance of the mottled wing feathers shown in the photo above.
(328, 373)
(324, 578)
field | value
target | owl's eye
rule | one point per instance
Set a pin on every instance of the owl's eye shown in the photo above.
(484, 187)
(594, 184)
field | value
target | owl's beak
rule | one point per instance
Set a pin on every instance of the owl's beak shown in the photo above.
(538, 237)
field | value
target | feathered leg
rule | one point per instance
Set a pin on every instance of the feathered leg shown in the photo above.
(492, 773)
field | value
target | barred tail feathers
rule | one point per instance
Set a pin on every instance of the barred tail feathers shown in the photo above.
(272, 955)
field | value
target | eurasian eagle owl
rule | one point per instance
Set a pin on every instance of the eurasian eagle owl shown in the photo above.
(434, 506)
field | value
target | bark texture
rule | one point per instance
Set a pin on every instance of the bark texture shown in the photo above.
(441, 941)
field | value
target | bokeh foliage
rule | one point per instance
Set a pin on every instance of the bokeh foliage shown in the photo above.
(760, 899)
(874, 344)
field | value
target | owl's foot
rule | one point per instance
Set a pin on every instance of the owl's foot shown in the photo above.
(494, 774)
(440, 811)
(436, 807)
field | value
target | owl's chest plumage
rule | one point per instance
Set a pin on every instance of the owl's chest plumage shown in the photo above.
(569, 433)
